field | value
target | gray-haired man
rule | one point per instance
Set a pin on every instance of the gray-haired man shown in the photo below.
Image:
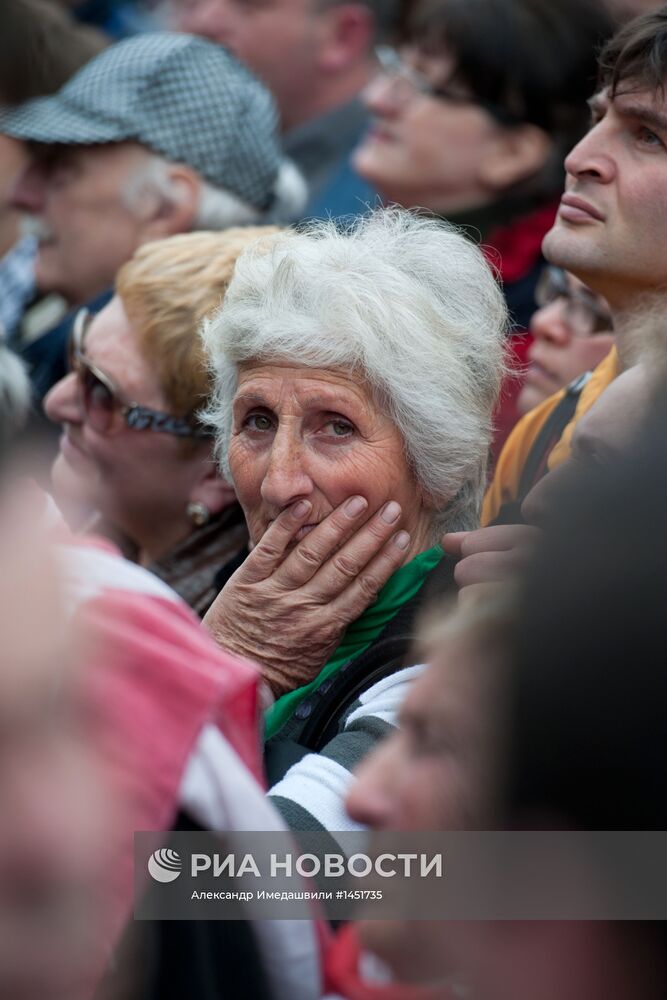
(158, 135)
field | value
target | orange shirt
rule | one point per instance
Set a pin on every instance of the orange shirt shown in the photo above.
(505, 485)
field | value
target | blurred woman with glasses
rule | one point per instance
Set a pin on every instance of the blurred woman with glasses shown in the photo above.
(472, 118)
(133, 454)
(572, 333)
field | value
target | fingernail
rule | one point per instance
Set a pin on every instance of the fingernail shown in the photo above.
(301, 508)
(355, 505)
(402, 540)
(391, 512)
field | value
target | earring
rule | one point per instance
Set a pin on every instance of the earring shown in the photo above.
(198, 513)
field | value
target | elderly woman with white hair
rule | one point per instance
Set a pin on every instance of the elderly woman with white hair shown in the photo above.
(356, 373)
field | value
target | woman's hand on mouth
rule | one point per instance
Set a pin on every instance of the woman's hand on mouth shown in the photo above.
(287, 609)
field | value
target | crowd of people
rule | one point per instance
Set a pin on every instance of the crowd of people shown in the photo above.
(332, 370)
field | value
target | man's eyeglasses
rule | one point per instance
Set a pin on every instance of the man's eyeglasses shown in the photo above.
(408, 82)
(584, 310)
(101, 399)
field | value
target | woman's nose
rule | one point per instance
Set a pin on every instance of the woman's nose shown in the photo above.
(286, 478)
(381, 95)
(61, 403)
(550, 323)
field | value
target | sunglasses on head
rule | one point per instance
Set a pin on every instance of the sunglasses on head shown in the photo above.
(101, 399)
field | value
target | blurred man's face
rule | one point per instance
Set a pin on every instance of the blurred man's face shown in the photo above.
(610, 228)
(278, 39)
(86, 230)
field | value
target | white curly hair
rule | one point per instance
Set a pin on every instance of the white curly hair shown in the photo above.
(402, 298)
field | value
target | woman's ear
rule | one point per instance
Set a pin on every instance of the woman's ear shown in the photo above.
(211, 489)
(517, 153)
(176, 209)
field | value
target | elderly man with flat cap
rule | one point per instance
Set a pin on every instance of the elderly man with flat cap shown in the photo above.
(158, 135)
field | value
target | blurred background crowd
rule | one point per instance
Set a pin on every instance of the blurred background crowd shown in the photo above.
(333, 371)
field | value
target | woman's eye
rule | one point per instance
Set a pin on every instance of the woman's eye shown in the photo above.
(258, 422)
(340, 428)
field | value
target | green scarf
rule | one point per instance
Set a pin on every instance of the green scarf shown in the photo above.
(397, 591)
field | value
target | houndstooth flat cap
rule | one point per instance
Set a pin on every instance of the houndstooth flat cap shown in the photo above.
(185, 98)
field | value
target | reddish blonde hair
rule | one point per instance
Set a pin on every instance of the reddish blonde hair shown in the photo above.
(167, 288)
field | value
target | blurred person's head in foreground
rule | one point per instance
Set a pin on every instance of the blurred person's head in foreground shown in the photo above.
(439, 770)
(610, 227)
(481, 103)
(572, 333)
(436, 771)
(41, 47)
(586, 708)
(158, 135)
(52, 815)
(312, 55)
(587, 692)
(132, 448)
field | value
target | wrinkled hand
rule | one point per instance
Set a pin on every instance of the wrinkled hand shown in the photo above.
(287, 610)
(489, 557)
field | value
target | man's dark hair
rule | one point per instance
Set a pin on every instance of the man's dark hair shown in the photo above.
(637, 55)
(41, 47)
(526, 61)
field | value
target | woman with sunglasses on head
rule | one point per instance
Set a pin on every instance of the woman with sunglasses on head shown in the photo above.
(473, 117)
(133, 455)
(572, 334)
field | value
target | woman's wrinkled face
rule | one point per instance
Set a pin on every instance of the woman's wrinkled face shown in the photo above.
(312, 434)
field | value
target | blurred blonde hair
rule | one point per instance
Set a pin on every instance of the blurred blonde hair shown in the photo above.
(167, 289)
